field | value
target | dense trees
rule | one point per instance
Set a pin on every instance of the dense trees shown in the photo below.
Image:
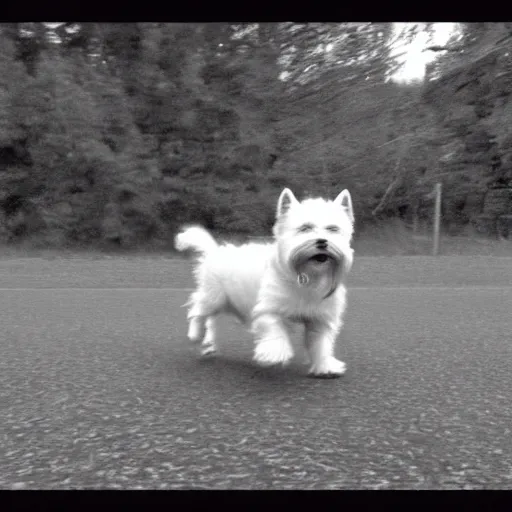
(118, 132)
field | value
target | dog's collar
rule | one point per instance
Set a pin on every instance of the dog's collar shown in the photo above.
(334, 286)
(331, 291)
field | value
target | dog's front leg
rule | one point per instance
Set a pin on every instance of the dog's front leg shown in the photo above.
(272, 343)
(320, 340)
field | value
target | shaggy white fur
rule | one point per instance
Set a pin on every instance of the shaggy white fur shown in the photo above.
(298, 278)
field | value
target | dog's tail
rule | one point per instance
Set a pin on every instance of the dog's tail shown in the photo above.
(195, 238)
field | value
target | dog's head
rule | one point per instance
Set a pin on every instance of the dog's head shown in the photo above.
(314, 236)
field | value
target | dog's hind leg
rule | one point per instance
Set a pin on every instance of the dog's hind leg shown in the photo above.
(203, 307)
(197, 328)
(208, 345)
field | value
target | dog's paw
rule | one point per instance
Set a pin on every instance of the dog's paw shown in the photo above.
(208, 350)
(328, 368)
(273, 352)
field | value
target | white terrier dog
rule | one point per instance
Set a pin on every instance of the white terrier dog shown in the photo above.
(298, 278)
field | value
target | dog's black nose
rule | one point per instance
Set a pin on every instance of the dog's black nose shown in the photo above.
(321, 243)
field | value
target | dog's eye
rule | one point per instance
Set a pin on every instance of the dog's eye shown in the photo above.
(305, 227)
(333, 229)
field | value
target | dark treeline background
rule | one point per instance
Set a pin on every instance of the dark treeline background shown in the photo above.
(116, 133)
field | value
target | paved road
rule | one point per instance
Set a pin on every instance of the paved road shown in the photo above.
(99, 388)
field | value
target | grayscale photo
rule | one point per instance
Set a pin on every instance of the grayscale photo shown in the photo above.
(256, 255)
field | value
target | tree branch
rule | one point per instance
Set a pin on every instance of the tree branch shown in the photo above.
(389, 191)
(436, 48)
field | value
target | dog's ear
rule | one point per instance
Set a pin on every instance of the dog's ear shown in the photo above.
(345, 201)
(286, 199)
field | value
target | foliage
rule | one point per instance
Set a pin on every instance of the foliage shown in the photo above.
(117, 133)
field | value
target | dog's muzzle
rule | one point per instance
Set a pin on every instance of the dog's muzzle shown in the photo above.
(319, 251)
(315, 250)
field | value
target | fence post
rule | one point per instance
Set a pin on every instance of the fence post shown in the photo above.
(437, 218)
